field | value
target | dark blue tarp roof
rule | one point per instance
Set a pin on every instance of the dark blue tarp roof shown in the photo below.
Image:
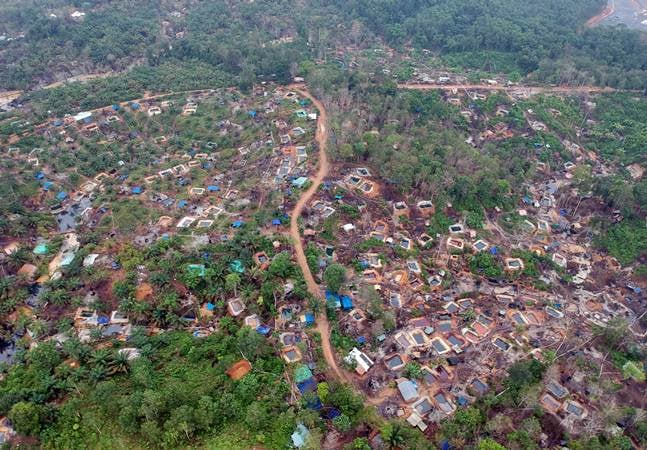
(309, 385)
(346, 302)
(331, 413)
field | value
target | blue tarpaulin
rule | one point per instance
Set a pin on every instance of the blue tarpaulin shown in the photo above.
(238, 224)
(494, 250)
(333, 300)
(137, 190)
(309, 385)
(276, 222)
(310, 319)
(47, 185)
(361, 340)
(346, 303)
(61, 195)
(116, 107)
(213, 188)
(331, 413)
(39, 175)
(210, 306)
(264, 330)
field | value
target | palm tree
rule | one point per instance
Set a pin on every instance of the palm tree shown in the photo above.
(18, 258)
(231, 283)
(75, 349)
(139, 310)
(97, 373)
(393, 436)
(38, 327)
(158, 317)
(160, 279)
(255, 273)
(468, 315)
(100, 357)
(29, 221)
(119, 363)
(213, 292)
(6, 284)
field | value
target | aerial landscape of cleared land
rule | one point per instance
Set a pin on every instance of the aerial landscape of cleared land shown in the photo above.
(343, 224)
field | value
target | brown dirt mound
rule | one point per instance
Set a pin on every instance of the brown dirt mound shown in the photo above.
(239, 369)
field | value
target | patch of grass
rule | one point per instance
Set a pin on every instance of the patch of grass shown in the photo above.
(127, 215)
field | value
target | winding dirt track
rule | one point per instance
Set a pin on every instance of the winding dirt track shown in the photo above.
(322, 326)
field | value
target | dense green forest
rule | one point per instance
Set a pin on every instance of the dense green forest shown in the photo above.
(268, 39)
(544, 37)
(175, 393)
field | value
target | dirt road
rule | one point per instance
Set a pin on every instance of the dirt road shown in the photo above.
(322, 326)
(606, 12)
(518, 90)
